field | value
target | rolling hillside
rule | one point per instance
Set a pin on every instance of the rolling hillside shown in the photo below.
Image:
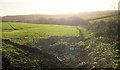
(38, 19)
(70, 19)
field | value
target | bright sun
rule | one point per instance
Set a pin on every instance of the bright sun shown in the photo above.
(11, 7)
(70, 6)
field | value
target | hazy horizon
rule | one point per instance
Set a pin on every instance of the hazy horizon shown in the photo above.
(54, 7)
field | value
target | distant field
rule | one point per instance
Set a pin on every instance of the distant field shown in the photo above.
(92, 15)
(25, 33)
(105, 19)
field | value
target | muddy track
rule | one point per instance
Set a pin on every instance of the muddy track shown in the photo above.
(80, 33)
(47, 60)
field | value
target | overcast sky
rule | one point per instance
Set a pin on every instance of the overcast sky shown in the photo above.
(22, 7)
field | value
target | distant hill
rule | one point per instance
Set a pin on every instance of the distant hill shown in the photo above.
(70, 19)
(97, 14)
(47, 19)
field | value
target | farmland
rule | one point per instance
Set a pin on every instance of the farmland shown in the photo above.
(30, 32)
(39, 46)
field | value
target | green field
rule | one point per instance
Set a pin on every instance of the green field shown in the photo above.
(27, 33)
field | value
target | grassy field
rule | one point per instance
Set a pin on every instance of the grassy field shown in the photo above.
(26, 33)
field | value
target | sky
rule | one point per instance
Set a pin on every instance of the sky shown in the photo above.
(23, 7)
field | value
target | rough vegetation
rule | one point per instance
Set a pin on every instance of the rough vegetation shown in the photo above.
(45, 46)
